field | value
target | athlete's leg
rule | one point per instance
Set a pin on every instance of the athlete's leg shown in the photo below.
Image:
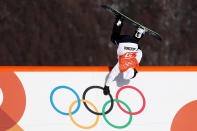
(128, 74)
(115, 36)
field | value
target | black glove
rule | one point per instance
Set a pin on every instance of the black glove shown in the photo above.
(106, 90)
(135, 73)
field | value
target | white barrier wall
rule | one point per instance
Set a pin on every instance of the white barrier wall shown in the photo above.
(165, 94)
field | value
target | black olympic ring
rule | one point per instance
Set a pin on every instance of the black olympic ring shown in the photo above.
(85, 104)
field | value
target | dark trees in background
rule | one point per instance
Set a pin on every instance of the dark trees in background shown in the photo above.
(77, 32)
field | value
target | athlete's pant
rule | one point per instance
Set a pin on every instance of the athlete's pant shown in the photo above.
(128, 74)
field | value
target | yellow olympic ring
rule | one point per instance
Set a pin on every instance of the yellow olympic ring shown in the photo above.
(83, 127)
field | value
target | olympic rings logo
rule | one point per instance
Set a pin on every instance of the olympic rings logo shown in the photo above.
(103, 113)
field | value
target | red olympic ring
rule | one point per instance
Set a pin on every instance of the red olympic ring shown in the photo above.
(14, 101)
(143, 98)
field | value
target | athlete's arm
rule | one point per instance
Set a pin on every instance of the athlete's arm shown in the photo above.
(139, 55)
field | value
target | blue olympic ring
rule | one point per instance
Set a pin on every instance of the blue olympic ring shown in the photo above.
(64, 87)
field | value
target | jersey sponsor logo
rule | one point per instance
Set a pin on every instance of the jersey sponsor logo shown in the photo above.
(129, 55)
(129, 48)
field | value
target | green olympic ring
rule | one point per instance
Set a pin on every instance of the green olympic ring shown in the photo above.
(105, 118)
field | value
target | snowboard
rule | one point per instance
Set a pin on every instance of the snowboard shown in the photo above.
(134, 23)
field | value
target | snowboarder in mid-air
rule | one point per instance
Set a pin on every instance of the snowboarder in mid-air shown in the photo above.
(128, 51)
